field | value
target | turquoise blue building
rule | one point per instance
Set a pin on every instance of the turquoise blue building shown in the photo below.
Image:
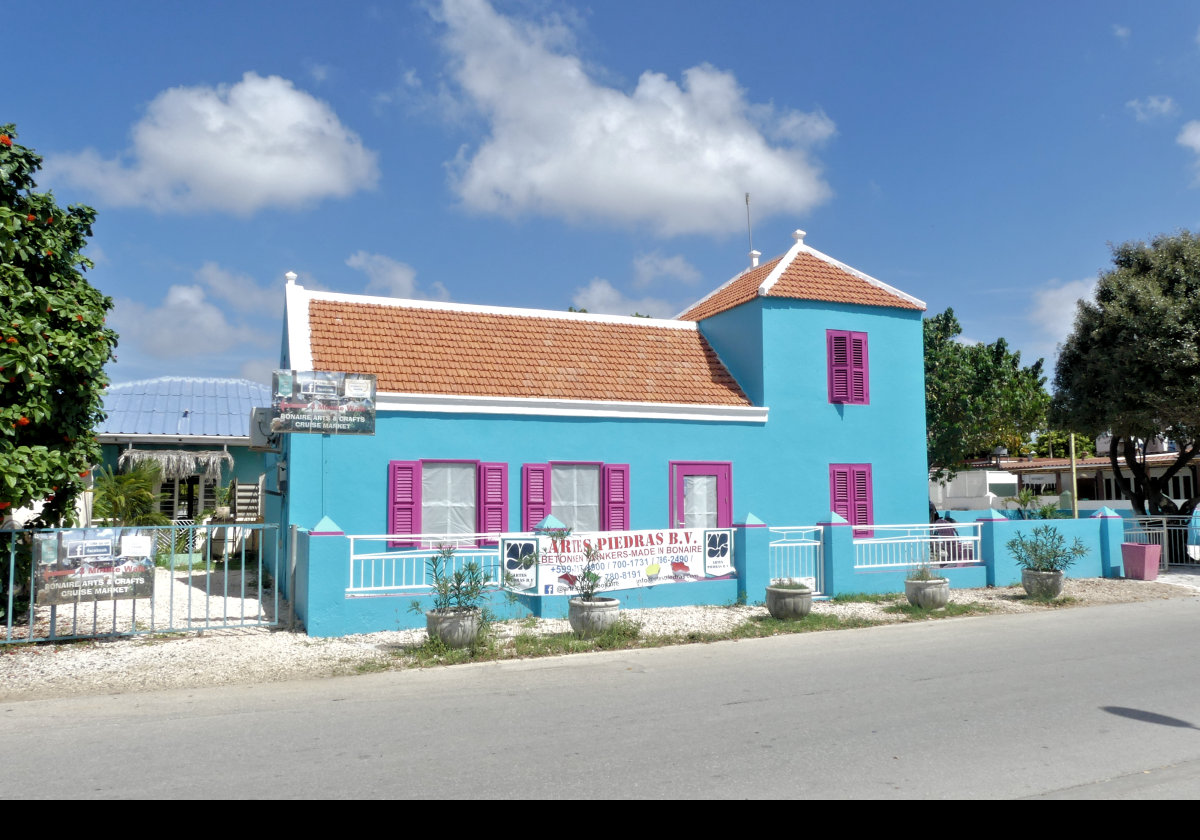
(793, 390)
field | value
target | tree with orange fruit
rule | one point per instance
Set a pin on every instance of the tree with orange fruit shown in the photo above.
(53, 344)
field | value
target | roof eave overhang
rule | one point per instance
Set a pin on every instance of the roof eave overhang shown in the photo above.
(167, 440)
(448, 404)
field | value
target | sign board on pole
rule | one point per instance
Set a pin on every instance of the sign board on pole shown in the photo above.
(323, 402)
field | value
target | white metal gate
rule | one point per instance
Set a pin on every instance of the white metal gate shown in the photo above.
(71, 583)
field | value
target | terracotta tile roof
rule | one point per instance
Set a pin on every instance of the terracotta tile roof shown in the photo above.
(523, 353)
(1043, 464)
(803, 273)
(737, 291)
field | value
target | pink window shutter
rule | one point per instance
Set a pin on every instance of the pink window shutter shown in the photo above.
(404, 499)
(839, 368)
(864, 504)
(493, 498)
(860, 388)
(839, 491)
(849, 375)
(614, 482)
(535, 493)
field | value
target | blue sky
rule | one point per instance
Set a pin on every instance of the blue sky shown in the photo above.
(550, 154)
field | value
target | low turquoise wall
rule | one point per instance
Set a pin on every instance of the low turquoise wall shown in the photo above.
(323, 562)
(1100, 535)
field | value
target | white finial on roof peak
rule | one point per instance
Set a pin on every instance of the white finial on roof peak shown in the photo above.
(754, 255)
(291, 278)
(799, 235)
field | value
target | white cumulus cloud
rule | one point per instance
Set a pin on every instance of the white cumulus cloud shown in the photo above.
(233, 148)
(1151, 107)
(239, 291)
(185, 325)
(1053, 316)
(219, 323)
(1189, 137)
(601, 297)
(391, 278)
(648, 268)
(674, 156)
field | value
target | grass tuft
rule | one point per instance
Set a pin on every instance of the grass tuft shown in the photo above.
(951, 610)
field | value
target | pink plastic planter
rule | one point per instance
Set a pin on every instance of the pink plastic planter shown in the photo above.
(1140, 561)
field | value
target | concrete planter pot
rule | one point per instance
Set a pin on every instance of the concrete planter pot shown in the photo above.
(928, 594)
(1046, 585)
(456, 628)
(788, 603)
(1140, 562)
(591, 618)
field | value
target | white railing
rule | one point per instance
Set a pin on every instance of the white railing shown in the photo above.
(797, 553)
(1171, 532)
(377, 565)
(905, 546)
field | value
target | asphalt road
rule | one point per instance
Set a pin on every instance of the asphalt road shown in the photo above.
(1097, 702)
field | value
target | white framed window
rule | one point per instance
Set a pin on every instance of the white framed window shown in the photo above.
(448, 497)
(575, 495)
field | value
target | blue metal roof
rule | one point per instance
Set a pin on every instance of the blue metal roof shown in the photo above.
(176, 406)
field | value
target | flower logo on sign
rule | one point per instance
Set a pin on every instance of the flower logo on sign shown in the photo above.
(520, 555)
(718, 546)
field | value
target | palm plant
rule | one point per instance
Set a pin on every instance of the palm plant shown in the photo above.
(129, 498)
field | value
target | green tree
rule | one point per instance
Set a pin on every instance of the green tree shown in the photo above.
(1055, 443)
(53, 342)
(1132, 364)
(977, 396)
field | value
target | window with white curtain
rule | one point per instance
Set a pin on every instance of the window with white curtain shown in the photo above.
(575, 495)
(448, 498)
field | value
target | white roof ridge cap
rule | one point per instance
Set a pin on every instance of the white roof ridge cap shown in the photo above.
(490, 309)
(727, 284)
(175, 378)
(765, 287)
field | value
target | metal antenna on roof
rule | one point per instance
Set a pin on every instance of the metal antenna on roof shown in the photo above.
(754, 255)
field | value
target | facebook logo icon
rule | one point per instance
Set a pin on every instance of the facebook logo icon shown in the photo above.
(548, 589)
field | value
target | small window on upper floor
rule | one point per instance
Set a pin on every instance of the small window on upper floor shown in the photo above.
(849, 378)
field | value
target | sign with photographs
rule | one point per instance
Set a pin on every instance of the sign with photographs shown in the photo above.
(93, 564)
(624, 559)
(323, 402)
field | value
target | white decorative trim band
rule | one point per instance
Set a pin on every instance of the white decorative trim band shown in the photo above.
(570, 408)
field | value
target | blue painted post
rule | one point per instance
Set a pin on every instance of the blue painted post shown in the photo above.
(989, 542)
(324, 607)
(1112, 534)
(752, 557)
(837, 555)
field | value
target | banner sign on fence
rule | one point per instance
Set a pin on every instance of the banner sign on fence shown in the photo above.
(93, 564)
(625, 560)
(323, 402)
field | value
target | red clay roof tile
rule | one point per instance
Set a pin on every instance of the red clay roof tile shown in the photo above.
(807, 275)
(472, 353)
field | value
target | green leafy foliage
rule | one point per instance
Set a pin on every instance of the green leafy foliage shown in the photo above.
(1045, 550)
(1132, 364)
(453, 591)
(53, 343)
(1055, 443)
(1029, 506)
(129, 498)
(976, 396)
(589, 581)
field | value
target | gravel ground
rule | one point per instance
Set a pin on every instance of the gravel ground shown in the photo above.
(218, 657)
